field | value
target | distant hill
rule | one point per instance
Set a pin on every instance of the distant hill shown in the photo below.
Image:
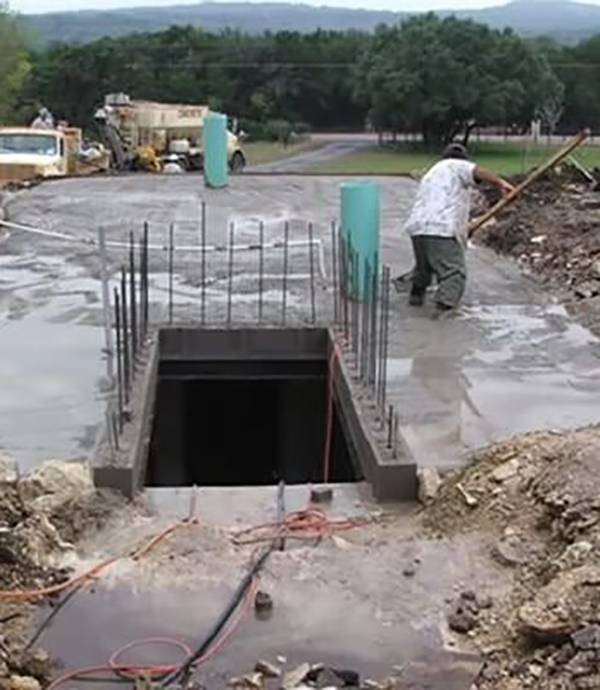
(565, 20)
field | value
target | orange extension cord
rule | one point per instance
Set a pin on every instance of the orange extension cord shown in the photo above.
(94, 572)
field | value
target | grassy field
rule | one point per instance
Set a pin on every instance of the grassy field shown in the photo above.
(505, 159)
(260, 152)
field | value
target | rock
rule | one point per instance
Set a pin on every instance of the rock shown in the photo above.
(267, 669)
(535, 670)
(9, 470)
(410, 570)
(574, 555)
(558, 610)
(429, 485)
(506, 471)
(510, 551)
(282, 660)
(294, 678)
(468, 498)
(255, 681)
(263, 601)
(327, 678)
(582, 664)
(588, 289)
(322, 494)
(36, 662)
(462, 621)
(24, 683)
(587, 639)
(372, 685)
(53, 484)
(595, 269)
(350, 679)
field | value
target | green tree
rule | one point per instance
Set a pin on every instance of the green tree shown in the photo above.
(440, 76)
(14, 63)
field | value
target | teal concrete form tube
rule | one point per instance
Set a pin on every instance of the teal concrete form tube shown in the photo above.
(360, 231)
(215, 150)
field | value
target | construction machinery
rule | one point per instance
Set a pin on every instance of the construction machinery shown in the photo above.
(27, 153)
(145, 134)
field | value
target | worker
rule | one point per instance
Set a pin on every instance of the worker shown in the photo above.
(172, 167)
(438, 226)
(44, 120)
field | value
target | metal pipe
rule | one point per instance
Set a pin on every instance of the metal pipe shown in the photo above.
(313, 307)
(285, 272)
(171, 252)
(106, 306)
(119, 356)
(133, 300)
(334, 273)
(125, 341)
(203, 263)
(261, 268)
(230, 273)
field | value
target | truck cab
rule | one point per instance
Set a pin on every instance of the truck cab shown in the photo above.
(29, 153)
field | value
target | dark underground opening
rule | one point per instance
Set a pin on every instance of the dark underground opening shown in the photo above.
(245, 423)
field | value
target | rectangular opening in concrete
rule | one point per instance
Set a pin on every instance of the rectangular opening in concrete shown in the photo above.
(236, 408)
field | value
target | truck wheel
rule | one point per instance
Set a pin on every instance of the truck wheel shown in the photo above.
(238, 162)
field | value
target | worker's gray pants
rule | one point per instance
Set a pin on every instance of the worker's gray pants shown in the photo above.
(444, 258)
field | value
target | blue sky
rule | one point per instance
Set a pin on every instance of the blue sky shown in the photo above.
(53, 5)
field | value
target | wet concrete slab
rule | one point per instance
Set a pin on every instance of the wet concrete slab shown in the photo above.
(512, 361)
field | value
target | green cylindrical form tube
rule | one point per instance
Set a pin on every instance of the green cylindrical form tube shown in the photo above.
(216, 173)
(360, 231)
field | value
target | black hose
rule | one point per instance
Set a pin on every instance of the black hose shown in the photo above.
(238, 595)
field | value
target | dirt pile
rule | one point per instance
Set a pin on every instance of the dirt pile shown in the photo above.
(538, 499)
(41, 515)
(553, 230)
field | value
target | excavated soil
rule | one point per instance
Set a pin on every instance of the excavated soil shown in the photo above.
(538, 498)
(553, 231)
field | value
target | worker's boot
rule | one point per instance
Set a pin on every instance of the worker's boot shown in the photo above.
(442, 311)
(417, 298)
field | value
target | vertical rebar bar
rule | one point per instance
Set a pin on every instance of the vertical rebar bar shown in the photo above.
(396, 432)
(343, 286)
(380, 345)
(374, 297)
(313, 306)
(171, 252)
(119, 356)
(335, 274)
(365, 321)
(230, 273)
(386, 335)
(142, 334)
(261, 268)
(106, 307)
(146, 278)
(356, 306)
(390, 422)
(203, 265)
(133, 299)
(125, 337)
(286, 239)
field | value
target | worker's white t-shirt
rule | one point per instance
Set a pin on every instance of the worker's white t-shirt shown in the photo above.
(443, 200)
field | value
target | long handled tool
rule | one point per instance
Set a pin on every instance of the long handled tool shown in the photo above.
(532, 177)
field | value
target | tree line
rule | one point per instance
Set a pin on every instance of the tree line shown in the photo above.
(437, 77)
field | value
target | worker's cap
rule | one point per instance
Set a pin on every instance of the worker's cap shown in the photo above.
(173, 157)
(43, 112)
(456, 150)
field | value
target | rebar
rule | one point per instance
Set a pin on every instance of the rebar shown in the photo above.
(261, 268)
(390, 427)
(230, 273)
(125, 337)
(133, 299)
(106, 307)
(313, 307)
(380, 346)
(119, 356)
(343, 287)
(203, 265)
(396, 432)
(335, 274)
(374, 297)
(171, 252)
(146, 280)
(286, 239)
(142, 330)
(386, 335)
